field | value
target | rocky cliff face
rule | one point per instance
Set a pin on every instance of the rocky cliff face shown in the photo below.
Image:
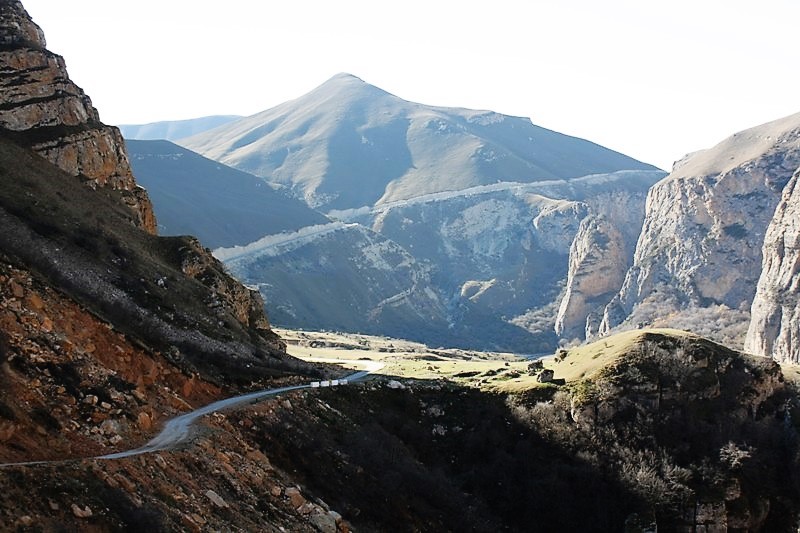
(168, 293)
(700, 245)
(46, 111)
(600, 254)
(505, 247)
(775, 327)
(597, 262)
(106, 330)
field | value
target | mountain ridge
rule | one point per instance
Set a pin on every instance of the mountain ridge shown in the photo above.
(171, 130)
(347, 144)
(222, 206)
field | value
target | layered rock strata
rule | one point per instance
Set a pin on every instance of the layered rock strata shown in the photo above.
(168, 293)
(42, 108)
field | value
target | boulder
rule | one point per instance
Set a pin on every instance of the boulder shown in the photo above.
(545, 376)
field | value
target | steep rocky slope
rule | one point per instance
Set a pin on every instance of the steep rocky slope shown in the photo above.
(775, 327)
(598, 260)
(167, 292)
(349, 144)
(506, 247)
(106, 330)
(96, 243)
(43, 109)
(345, 277)
(219, 205)
(705, 224)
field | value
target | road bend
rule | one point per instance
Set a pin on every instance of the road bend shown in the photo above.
(178, 430)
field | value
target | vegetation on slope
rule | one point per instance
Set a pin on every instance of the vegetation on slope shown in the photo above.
(651, 428)
(167, 293)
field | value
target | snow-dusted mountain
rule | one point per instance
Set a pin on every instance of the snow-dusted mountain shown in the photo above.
(172, 130)
(348, 144)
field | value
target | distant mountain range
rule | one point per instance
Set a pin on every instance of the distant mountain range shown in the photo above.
(444, 225)
(349, 144)
(553, 235)
(565, 258)
(176, 129)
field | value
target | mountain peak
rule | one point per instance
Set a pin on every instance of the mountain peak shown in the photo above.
(345, 85)
(348, 144)
(345, 76)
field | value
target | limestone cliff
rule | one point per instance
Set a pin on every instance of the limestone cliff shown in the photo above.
(775, 326)
(597, 263)
(700, 245)
(600, 254)
(45, 110)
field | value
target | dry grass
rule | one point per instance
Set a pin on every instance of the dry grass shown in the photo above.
(499, 372)
(412, 360)
(584, 361)
(791, 372)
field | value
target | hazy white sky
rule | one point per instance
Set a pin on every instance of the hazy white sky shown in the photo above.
(652, 79)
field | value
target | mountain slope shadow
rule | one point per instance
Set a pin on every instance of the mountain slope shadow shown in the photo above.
(167, 293)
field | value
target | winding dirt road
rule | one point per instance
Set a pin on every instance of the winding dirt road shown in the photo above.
(178, 430)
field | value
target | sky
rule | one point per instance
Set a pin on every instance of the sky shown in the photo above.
(652, 79)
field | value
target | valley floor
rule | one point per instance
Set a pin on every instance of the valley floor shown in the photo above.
(402, 359)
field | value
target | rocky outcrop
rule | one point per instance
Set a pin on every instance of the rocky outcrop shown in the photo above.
(662, 388)
(600, 254)
(597, 263)
(663, 371)
(42, 108)
(775, 326)
(169, 294)
(696, 248)
(245, 304)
